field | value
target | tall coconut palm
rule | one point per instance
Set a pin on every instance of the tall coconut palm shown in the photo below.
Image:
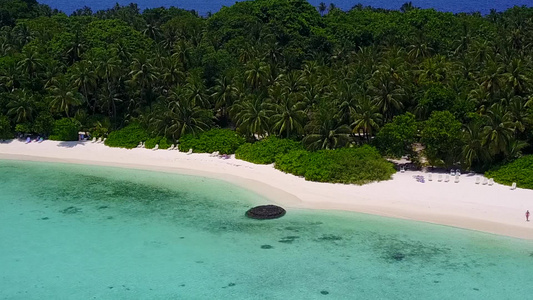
(498, 129)
(387, 95)
(22, 106)
(30, 63)
(63, 97)
(288, 116)
(322, 8)
(474, 150)
(223, 94)
(251, 115)
(256, 74)
(366, 117)
(324, 130)
(84, 77)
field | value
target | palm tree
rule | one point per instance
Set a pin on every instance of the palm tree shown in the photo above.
(324, 130)
(366, 117)
(474, 150)
(386, 95)
(322, 8)
(64, 97)
(84, 77)
(288, 115)
(143, 75)
(181, 116)
(498, 129)
(256, 74)
(517, 77)
(30, 64)
(22, 106)
(251, 115)
(224, 93)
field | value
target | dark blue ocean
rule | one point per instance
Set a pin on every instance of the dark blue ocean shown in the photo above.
(204, 6)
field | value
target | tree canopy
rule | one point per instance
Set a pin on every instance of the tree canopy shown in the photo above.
(460, 84)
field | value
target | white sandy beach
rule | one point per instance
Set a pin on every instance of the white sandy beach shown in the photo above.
(494, 209)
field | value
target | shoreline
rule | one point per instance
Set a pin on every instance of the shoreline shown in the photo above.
(492, 209)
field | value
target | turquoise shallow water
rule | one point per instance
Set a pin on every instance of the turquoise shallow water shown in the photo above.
(85, 232)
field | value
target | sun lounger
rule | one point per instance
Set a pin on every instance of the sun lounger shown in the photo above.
(458, 172)
(478, 180)
(28, 140)
(452, 172)
(430, 177)
(485, 181)
(447, 178)
(402, 169)
(103, 141)
(456, 179)
(171, 147)
(156, 147)
(190, 152)
(94, 140)
(440, 178)
(513, 186)
(491, 181)
(214, 154)
(99, 140)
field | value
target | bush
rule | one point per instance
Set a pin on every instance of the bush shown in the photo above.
(519, 171)
(164, 143)
(222, 140)
(347, 165)
(127, 137)
(65, 129)
(150, 143)
(44, 124)
(266, 151)
(5, 128)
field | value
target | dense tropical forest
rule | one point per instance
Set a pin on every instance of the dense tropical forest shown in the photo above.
(458, 86)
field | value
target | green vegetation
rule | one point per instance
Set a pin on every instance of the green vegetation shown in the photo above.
(266, 151)
(519, 171)
(127, 137)
(5, 128)
(327, 78)
(224, 141)
(65, 129)
(347, 165)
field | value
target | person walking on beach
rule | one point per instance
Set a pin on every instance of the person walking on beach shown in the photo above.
(527, 215)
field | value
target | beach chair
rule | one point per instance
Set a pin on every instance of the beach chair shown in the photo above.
(458, 172)
(456, 179)
(99, 140)
(452, 172)
(513, 186)
(491, 181)
(485, 181)
(103, 141)
(93, 140)
(190, 152)
(440, 178)
(28, 140)
(430, 177)
(447, 178)
(402, 169)
(156, 147)
(478, 180)
(142, 145)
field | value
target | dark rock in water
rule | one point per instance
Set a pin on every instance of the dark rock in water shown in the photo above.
(70, 210)
(231, 284)
(266, 247)
(288, 239)
(45, 218)
(324, 292)
(264, 212)
(398, 256)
